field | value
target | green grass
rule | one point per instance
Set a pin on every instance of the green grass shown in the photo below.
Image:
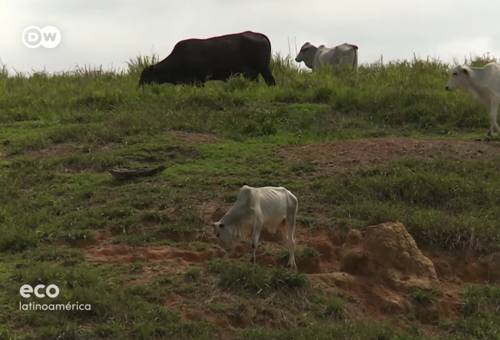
(335, 308)
(324, 331)
(438, 200)
(481, 299)
(117, 310)
(480, 309)
(60, 134)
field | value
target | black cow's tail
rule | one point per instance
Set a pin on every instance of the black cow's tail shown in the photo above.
(354, 61)
(270, 47)
(266, 71)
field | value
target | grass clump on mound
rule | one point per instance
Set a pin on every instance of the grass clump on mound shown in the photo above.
(253, 278)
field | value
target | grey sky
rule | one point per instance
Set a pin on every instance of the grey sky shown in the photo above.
(109, 32)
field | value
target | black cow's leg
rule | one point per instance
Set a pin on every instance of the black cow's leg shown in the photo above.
(198, 80)
(199, 83)
(268, 77)
(251, 75)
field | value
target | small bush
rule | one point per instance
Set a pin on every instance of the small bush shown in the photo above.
(239, 276)
(193, 274)
(253, 278)
(335, 308)
(423, 297)
(283, 278)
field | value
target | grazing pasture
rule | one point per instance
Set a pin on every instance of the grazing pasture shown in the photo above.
(387, 143)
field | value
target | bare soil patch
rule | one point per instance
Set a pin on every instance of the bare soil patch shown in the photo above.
(124, 253)
(55, 150)
(338, 156)
(195, 137)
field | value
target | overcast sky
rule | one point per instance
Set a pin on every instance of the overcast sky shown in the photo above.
(109, 32)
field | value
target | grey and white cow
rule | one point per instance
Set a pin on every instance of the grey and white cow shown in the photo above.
(256, 209)
(315, 57)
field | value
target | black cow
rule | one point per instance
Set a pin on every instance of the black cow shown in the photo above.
(194, 61)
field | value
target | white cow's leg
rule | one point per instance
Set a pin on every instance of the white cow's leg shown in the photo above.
(494, 128)
(230, 253)
(233, 249)
(257, 227)
(495, 117)
(291, 242)
(291, 251)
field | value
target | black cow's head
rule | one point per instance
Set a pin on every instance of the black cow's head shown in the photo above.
(148, 76)
(158, 74)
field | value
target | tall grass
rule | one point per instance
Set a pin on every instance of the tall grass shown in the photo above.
(139, 63)
(397, 94)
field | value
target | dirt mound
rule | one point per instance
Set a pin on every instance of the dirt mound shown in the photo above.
(340, 155)
(387, 253)
(379, 268)
(382, 272)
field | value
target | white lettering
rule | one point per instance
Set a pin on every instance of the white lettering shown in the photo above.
(37, 291)
(26, 291)
(50, 288)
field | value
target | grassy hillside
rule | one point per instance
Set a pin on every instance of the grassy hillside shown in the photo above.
(59, 134)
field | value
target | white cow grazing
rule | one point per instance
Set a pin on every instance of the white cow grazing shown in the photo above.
(315, 57)
(484, 84)
(256, 209)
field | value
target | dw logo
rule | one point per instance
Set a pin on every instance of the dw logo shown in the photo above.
(48, 37)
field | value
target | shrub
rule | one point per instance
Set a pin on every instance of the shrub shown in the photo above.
(253, 278)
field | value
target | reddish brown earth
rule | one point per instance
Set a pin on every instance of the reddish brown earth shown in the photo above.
(375, 270)
(125, 253)
(337, 156)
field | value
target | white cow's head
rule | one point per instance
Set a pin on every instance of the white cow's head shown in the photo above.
(224, 234)
(306, 54)
(459, 78)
